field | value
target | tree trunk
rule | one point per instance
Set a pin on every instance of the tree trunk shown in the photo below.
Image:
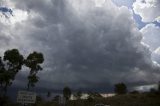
(28, 86)
(5, 89)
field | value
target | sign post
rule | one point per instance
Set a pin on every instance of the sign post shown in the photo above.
(25, 97)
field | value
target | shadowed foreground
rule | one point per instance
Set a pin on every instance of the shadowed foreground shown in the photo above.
(147, 99)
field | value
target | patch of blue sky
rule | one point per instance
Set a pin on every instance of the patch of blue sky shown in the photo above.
(156, 23)
(141, 24)
(5, 10)
(127, 3)
(138, 19)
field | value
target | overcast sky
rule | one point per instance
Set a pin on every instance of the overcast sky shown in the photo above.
(87, 44)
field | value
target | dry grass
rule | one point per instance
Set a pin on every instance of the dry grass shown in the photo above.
(146, 99)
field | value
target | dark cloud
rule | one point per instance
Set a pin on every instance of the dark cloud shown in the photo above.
(84, 46)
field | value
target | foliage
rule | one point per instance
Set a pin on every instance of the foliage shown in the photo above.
(134, 92)
(39, 98)
(153, 90)
(141, 99)
(11, 63)
(120, 88)
(78, 95)
(2, 77)
(67, 93)
(9, 66)
(94, 95)
(33, 62)
(32, 79)
(56, 98)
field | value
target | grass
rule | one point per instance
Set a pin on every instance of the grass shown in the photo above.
(143, 99)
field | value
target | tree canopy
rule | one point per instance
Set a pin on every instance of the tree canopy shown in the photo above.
(33, 62)
(10, 64)
(67, 93)
(120, 88)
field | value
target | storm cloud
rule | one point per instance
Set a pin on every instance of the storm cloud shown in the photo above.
(85, 46)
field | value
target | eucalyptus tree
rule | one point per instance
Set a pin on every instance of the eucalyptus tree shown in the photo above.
(120, 88)
(9, 66)
(67, 93)
(33, 62)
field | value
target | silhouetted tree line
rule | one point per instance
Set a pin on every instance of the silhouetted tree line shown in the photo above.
(119, 89)
(11, 63)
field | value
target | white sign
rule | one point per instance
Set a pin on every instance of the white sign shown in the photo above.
(26, 97)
